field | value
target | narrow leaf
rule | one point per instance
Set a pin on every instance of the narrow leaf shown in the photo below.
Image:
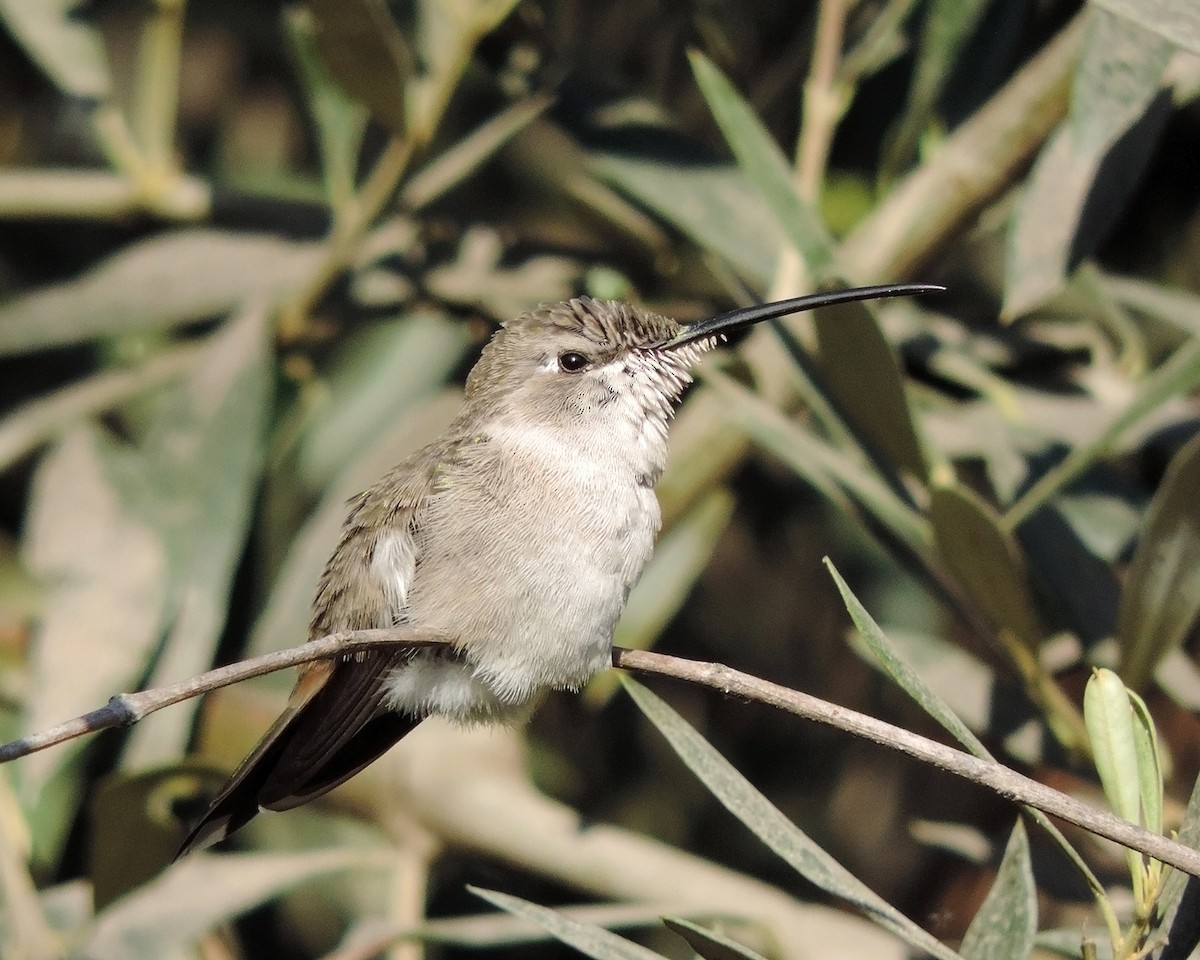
(764, 164)
(713, 204)
(1180, 901)
(1178, 375)
(379, 371)
(1178, 22)
(1074, 194)
(1004, 927)
(195, 894)
(911, 682)
(587, 938)
(104, 565)
(446, 35)
(1149, 765)
(339, 120)
(457, 163)
(708, 943)
(493, 929)
(62, 43)
(863, 374)
(156, 284)
(835, 474)
(1109, 718)
(201, 458)
(986, 560)
(765, 820)
(366, 55)
(947, 27)
(901, 671)
(1161, 599)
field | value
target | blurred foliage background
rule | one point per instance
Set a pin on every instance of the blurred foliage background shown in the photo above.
(247, 254)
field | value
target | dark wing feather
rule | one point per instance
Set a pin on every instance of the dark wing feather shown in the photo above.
(343, 728)
(336, 721)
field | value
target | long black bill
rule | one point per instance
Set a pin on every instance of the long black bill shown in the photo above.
(745, 316)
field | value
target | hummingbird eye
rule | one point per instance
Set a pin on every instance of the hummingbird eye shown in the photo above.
(572, 362)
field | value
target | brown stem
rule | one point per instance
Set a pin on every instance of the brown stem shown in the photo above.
(1008, 783)
(127, 708)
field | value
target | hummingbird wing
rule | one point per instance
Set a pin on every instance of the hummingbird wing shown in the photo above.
(337, 720)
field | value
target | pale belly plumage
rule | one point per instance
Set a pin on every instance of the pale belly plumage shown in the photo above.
(529, 585)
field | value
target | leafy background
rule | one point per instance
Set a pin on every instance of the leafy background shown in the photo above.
(247, 254)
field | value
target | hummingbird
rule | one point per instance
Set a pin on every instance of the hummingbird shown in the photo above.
(517, 536)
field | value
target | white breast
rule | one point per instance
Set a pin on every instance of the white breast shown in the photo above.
(525, 556)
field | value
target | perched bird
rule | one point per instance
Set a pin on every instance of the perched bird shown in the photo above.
(516, 536)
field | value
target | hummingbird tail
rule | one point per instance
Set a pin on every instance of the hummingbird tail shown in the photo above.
(334, 726)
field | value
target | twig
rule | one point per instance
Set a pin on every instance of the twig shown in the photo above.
(100, 195)
(1008, 783)
(931, 206)
(126, 709)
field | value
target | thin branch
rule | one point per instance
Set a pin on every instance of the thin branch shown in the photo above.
(824, 100)
(126, 709)
(101, 195)
(1008, 783)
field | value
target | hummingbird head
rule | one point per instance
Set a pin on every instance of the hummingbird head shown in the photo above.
(580, 360)
(584, 359)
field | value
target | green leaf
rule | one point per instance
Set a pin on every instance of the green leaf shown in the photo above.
(197, 893)
(158, 283)
(1149, 765)
(1120, 758)
(340, 121)
(713, 204)
(830, 471)
(912, 683)
(133, 829)
(765, 820)
(1170, 305)
(1161, 599)
(62, 43)
(708, 943)
(493, 929)
(947, 27)
(200, 461)
(863, 375)
(1004, 927)
(377, 372)
(1181, 893)
(587, 938)
(1108, 715)
(1178, 22)
(901, 671)
(1120, 74)
(104, 566)
(366, 54)
(986, 560)
(764, 164)
(42, 418)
